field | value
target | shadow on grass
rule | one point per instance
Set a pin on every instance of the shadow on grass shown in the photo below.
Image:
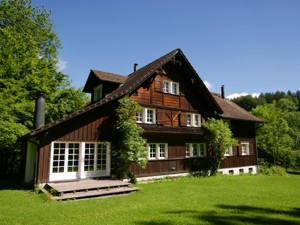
(293, 172)
(13, 182)
(234, 215)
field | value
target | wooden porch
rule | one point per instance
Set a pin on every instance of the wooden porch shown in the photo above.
(86, 189)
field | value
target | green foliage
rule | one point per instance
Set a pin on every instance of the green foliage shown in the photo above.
(28, 59)
(132, 177)
(271, 171)
(219, 138)
(248, 102)
(128, 145)
(280, 135)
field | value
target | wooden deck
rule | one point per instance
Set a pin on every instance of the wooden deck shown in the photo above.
(84, 189)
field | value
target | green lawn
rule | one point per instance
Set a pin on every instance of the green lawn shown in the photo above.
(224, 200)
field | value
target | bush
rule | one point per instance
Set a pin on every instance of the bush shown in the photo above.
(272, 170)
(132, 177)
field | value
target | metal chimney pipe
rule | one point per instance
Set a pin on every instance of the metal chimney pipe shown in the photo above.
(223, 92)
(135, 67)
(39, 113)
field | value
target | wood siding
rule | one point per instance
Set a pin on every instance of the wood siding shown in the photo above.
(96, 127)
(178, 163)
(170, 127)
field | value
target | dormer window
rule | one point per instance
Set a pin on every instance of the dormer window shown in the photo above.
(98, 92)
(171, 87)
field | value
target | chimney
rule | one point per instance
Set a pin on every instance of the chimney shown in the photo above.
(39, 113)
(135, 67)
(222, 92)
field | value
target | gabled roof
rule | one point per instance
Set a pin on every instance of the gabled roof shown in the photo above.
(95, 76)
(233, 111)
(132, 82)
(111, 77)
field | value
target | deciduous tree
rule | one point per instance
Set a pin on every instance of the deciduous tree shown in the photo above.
(28, 65)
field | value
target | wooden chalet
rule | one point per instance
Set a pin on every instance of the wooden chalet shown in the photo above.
(175, 103)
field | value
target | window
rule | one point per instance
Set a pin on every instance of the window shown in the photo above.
(146, 116)
(89, 156)
(139, 117)
(157, 151)
(193, 120)
(228, 151)
(98, 92)
(166, 86)
(189, 120)
(171, 87)
(174, 89)
(245, 148)
(149, 115)
(58, 163)
(101, 156)
(66, 156)
(195, 150)
(73, 157)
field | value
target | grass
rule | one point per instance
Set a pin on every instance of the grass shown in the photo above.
(213, 200)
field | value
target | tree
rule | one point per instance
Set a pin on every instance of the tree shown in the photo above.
(28, 59)
(248, 102)
(274, 136)
(220, 138)
(128, 145)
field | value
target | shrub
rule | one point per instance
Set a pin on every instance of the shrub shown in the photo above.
(272, 170)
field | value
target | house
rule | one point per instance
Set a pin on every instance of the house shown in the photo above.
(175, 102)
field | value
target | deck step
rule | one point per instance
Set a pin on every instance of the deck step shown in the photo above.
(84, 189)
(95, 194)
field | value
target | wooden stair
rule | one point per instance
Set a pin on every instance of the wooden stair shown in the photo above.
(85, 189)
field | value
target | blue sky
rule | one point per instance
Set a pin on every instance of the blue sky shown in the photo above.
(250, 46)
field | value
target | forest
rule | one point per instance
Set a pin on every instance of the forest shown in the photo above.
(278, 139)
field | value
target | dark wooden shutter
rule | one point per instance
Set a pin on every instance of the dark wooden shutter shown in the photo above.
(158, 85)
(183, 118)
(160, 116)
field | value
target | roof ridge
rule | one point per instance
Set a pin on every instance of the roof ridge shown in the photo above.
(101, 71)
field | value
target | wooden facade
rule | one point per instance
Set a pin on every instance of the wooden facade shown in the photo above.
(177, 103)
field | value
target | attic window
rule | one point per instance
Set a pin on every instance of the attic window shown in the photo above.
(98, 92)
(171, 87)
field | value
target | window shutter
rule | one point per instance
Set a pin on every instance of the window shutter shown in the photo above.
(160, 117)
(183, 118)
(158, 85)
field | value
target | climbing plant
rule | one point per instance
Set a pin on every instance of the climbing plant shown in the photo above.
(128, 145)
(220, 138)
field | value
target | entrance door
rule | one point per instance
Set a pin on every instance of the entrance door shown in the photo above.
(79, 160)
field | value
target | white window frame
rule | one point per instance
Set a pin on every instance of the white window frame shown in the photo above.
(168, 87)
(143, 116)
(190, 149)
(193, 120)
(98, 92)
(65, 174)
(245, 148)
(139, 117)
(229, 151)
(156, 154)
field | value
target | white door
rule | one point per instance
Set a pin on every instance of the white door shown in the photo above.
(71, 161)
